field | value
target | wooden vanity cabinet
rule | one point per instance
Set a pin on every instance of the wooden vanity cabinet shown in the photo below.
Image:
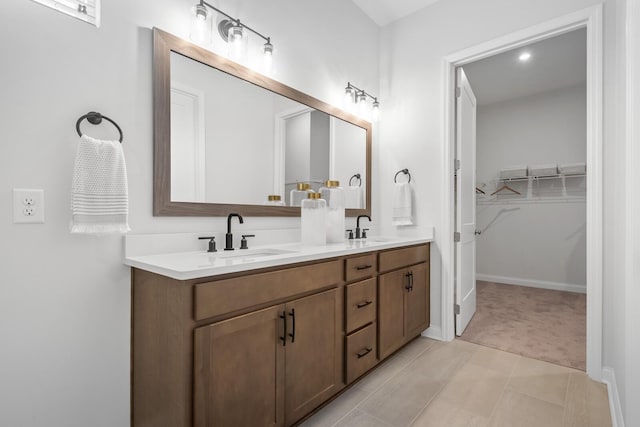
(262, 370)
(403, 304)
(268, 347)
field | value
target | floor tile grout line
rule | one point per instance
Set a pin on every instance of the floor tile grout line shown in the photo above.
(513, 368)
(444, 384)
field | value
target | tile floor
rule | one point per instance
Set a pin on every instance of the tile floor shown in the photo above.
(433, 383)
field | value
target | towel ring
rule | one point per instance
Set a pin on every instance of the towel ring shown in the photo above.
(404, 171)
(95, 119)
(356, 176)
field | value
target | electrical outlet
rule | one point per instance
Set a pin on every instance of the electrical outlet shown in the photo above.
(28, 206)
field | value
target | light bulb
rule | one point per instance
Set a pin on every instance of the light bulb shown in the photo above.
(375, 111)
(524, 57)
(236, 39)
(362, 103)
(268, 55)
(348, 97)
(200, 27)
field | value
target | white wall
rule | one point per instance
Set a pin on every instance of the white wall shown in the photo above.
(65, 300)
(541, 227)
(413, 50)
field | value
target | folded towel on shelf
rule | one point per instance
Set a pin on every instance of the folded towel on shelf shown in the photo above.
(99, 191)
(402, 204)
(353, 197)
(549, 169)
(510, 172)
(572, 168)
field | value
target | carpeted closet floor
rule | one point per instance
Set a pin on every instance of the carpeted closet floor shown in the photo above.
(537, 323)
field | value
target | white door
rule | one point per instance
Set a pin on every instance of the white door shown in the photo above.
(187, 144)
(465, 292)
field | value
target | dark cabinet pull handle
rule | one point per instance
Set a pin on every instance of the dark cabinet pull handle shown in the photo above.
(408, 285)
(363, 304)
(363, 353)
(284, 331)
(293, 326)
(363, 267)
(411, 281)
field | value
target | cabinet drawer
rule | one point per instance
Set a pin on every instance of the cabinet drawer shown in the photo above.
(360, 267)
(226, 296)
(398, 258)
(361, 352)
(360, 304)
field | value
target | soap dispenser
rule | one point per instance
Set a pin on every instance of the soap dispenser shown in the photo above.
(313, 219)
(334, 196)
(300, 193)
(274, 200)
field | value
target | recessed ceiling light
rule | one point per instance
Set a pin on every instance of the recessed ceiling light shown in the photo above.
(524, 57)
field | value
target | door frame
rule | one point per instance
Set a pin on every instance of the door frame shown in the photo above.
(591, 19)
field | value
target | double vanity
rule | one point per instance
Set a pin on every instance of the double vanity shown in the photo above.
(262, 336)
(265, 336)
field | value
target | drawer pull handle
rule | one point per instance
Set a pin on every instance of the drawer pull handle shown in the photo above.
(363, 304)
(284, 331)
(363, 267)
(363, 353)
(293, 327)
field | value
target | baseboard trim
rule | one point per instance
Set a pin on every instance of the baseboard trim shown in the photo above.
(434, 332)
(609, 378)
(533, 283)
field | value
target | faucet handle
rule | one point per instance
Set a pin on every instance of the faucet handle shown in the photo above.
(212, 243)
(364, 233)
(243, 242)
(350, 234)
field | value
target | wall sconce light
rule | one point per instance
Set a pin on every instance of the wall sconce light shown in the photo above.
(354, 95)
(230, 29)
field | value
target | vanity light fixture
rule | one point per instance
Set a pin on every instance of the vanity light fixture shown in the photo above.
(354, 95)
(230, 29)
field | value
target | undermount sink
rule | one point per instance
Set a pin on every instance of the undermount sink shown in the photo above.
(251, 253)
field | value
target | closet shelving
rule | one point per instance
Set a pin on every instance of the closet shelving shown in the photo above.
(532, 193)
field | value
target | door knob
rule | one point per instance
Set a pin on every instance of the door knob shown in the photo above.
(477, 232)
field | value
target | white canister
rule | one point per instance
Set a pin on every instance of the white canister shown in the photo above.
(334, 195)
(313, 219)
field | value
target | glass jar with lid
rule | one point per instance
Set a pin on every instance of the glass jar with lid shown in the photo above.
(334, 196)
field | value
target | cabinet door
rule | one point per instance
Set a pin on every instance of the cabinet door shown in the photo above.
(313, 368)
(239, 371)
(392, 289)
(417, 301)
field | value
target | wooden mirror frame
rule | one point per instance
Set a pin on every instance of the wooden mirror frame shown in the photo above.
(165, 43)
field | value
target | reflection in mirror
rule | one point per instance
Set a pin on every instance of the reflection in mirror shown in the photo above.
(227, 138)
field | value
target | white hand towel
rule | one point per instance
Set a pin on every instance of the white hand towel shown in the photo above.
(353, 197)
(402, 204)
(99, 191)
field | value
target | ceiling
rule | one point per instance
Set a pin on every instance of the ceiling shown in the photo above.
(384, 12)
(555, 63)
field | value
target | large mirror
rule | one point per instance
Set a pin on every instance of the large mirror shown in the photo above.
(226, 138)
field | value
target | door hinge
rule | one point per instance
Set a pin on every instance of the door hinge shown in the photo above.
(457, 164)
(458, 92)
(456, 308)
(456, 236)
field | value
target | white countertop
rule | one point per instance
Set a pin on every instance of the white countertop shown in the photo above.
(192, 265)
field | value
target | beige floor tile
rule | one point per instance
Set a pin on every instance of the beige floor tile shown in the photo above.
(383, 373)
(587, 403)
(440, 362)
(516, 409)
(475, 389)
(337, 409)
(541, 380)
(360, 419)
(495, 360)
(401, 399)
(439, 413)
(415, 348)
